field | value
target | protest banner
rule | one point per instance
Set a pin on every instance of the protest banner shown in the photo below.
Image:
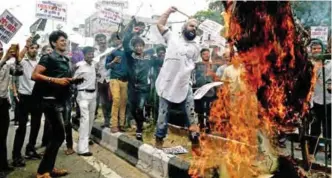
(51, 10)
(210, 27)
(39, 25)
(109, 15)
(9, 25)
(121, 4)
(199, 93)
(320, 32)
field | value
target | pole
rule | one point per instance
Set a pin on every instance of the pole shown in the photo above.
(325, 110)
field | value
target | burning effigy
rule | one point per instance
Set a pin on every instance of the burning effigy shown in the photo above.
(272, 92)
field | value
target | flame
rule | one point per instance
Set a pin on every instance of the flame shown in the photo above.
(263, 101)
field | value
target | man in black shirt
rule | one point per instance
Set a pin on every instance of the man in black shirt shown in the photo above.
(52, 76)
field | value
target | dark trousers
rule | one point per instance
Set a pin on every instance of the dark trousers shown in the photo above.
(16, 110)
(202, 108)
(106, 103)
(54, 112)
(4, 125)
(136, 103)
(68, 128)
(27, 106)
(316, 126)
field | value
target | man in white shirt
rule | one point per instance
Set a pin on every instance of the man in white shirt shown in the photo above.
(103, 80)
(173, 84)
(27, 105)
(86, 99)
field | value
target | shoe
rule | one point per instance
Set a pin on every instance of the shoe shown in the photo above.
(59, 172)
(122, 129)
(18, 162)
(114, 129)
(28, 124)
(85, 154)
(32, 154)
(45, 175)
(139, 137)
(16, 124)
(91, 142)
(105, 126)
(69, 151)
(159, 143)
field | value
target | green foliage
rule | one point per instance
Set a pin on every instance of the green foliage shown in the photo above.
(209, 14)
(312, 13)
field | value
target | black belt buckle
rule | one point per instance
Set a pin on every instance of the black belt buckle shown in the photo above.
(87, 90)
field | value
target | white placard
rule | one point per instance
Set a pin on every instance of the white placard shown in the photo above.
(199, 93)
(108, 15)
(175, 150)
(9, 25)
(210, 27)
(52, 10)
(320, 32)
(122, 4)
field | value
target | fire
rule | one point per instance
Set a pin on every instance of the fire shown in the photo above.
(276, 79)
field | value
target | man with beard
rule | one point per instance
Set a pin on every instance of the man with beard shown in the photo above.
(173, 84)
(103, 81)
(27, 105)
(52, 77)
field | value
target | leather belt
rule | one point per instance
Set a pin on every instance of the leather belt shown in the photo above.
(87, 90)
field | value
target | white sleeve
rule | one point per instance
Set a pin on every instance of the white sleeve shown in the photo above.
(78, 71)
(167, 35)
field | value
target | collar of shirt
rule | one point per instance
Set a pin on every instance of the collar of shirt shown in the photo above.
(57, 55)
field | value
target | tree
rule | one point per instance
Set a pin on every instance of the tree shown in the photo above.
(209, 14)
(312, 13)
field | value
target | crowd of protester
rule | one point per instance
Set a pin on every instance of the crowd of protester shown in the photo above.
(127, 83)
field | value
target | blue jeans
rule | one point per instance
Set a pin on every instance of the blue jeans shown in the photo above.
(136, 102)
(187, 107)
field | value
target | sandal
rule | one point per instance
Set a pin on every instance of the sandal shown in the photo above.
(59, 172)
(69, 152)
(45, 175)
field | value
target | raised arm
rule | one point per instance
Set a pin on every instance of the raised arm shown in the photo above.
(25, 49)
(163, 20)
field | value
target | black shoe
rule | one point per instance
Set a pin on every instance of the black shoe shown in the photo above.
(32, 154)
(86, 154)
(18, 162)
(7, 169)
(16, 123)
(139, 137)
(91, 142)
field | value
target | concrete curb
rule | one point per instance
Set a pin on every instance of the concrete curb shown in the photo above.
(148, 159)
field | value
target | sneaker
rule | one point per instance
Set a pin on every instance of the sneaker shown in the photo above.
(122, 129)
(32, 154)
(139, 137)
(91, 142)
(18, 162)
(159, 143)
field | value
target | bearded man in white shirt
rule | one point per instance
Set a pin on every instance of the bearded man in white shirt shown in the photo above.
(173, 84)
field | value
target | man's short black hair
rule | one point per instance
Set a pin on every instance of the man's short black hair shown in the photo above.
(35, 44)
(203, 50)
(137, 41)
(88, 49)
(100, 36)
(55, 35)
(161, 48)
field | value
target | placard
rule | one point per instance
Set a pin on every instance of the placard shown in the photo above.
(210, 27)
(199, 93)
(9, 25)
(175, 150)
(39, 25)
(320, 32)
(52, 10)
(109, 15)
(122, 4)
